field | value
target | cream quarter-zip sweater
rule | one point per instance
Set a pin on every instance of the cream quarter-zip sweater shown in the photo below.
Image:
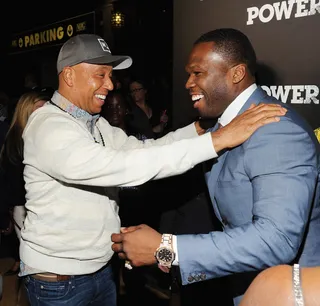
(70, 180)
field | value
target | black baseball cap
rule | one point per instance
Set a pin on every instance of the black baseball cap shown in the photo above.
(92, 49)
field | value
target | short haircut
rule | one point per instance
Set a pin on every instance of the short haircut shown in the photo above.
(233, 45)
(117, 93)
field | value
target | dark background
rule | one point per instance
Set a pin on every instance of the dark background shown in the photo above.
(158, 34)
(146, 36)
(288, 49)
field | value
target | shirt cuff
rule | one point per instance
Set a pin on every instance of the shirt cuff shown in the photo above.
(191, 128)
(175, 249)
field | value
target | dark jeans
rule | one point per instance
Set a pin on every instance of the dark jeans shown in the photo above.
(98, 289)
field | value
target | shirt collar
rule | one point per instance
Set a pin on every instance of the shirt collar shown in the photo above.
(233, 109)
(75, 111)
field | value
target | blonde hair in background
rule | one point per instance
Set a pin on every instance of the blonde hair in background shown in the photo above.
(13, 146)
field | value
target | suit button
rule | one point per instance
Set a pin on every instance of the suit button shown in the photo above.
(190, 279)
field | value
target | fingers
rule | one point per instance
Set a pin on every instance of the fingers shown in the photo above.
(117, 247)
(265, 108)
(261, 112)
(116, 237)
(244, 125)
(252, 106)
(268, 116)
(264, 121)
(122, 255)
(199, 129)
(265, 114)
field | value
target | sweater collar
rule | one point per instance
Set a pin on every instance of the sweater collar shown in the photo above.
(73, 110)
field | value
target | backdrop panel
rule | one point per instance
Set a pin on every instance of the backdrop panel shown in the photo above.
(285, 35)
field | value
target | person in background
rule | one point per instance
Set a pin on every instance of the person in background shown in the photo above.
(31, 82)
(134, 203)
(115, 110)
(265, 192)
(11, 163)
(74, 163)
(145, 119)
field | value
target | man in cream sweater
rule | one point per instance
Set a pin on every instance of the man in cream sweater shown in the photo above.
(74, 162)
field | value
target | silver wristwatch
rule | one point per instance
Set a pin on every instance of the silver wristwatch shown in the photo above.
(164, 253)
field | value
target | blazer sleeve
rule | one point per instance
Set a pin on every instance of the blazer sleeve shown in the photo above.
(280, 160)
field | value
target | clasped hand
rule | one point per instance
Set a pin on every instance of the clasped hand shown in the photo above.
(136, 244)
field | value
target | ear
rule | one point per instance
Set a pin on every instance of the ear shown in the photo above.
(238, 73)
(67, 75)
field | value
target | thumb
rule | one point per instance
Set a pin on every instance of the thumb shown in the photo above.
(129, 229)
(252, 106)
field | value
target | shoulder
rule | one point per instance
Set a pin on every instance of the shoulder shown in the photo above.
(48, 125)
(287, 146)
(272, 286)
(292, 128)
(292, 116)
(48, 115)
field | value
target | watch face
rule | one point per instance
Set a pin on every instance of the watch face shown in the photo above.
(165, 255)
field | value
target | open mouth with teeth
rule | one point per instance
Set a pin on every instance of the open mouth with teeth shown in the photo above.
(196, 99)
(101, 98)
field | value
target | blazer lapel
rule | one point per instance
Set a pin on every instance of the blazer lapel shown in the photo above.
(212, 174)
(207, 165)
(213, 178)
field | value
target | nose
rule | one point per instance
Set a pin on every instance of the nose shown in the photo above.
(108, 84)
(189, 83)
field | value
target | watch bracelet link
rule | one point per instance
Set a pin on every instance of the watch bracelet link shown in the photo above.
(166, 240)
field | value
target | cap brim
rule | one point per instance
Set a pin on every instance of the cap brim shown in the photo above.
(118, 62)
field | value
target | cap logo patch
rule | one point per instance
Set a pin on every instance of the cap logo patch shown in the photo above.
(103, 45)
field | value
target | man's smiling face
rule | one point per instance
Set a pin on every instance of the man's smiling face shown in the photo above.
(210, 80)
(91, 84)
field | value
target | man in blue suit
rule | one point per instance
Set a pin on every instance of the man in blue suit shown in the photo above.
(265, 192)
